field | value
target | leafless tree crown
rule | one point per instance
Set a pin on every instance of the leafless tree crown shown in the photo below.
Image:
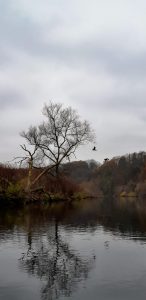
(58, 137)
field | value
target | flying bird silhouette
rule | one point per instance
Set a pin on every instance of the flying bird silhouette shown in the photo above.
(94, 148)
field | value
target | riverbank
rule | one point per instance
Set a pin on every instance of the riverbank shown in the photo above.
(39, 198)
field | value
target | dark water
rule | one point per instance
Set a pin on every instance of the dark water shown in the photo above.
(86, 250)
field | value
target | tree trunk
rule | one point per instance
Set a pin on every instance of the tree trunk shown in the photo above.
(41, 174)
(28, 187)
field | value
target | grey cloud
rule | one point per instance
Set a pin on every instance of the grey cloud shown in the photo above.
(90, 55)
(11, 99)
(113, 59)
(121, 100)
(121, 97)
(17, 32)
(5, 57)
(21, 33)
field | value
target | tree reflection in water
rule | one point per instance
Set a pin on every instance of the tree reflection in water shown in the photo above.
(59, 267)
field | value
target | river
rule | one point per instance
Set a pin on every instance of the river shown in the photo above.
(89, 249)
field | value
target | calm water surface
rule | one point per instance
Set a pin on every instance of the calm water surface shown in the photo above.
(85, 250)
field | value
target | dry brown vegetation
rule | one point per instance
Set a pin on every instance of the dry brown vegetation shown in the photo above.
(121, 176)
(14, 180)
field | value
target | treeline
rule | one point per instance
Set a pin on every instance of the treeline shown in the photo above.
(120, 176)
(125, 175)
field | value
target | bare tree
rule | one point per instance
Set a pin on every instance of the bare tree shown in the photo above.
(58, 137)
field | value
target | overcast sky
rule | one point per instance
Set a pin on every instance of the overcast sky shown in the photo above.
(90, 55)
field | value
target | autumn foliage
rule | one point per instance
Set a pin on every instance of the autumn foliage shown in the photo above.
(120, 176)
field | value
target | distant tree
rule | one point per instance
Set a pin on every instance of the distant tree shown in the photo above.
(57, 138)
(107, 177)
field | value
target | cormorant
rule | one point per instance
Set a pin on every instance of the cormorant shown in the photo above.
(94, 148)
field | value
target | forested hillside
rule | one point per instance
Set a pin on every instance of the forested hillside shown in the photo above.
(125, 175)
(120, 176)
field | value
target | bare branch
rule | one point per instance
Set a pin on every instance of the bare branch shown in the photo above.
(58, 137)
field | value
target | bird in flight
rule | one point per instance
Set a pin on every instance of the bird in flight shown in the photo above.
(94, 148)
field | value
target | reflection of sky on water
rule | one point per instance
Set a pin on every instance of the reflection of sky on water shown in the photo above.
(84, 254)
